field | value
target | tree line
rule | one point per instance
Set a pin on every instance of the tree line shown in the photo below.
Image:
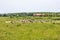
(50, 14)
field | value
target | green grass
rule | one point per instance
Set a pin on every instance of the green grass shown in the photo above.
(28, 31)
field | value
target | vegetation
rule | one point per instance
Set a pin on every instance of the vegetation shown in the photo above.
(29, 27)
(50, 14)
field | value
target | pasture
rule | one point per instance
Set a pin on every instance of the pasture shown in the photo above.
(29, 28)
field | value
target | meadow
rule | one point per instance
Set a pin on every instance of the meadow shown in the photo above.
(17, 30)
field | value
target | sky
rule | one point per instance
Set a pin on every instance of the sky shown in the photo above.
(10, 6)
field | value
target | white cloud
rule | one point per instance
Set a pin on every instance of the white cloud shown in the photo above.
(29, 5)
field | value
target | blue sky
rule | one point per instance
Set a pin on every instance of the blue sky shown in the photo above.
(7, 6)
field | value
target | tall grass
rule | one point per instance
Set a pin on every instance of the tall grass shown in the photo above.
(28, 31)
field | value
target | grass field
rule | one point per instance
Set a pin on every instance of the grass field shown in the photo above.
(28, 31)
